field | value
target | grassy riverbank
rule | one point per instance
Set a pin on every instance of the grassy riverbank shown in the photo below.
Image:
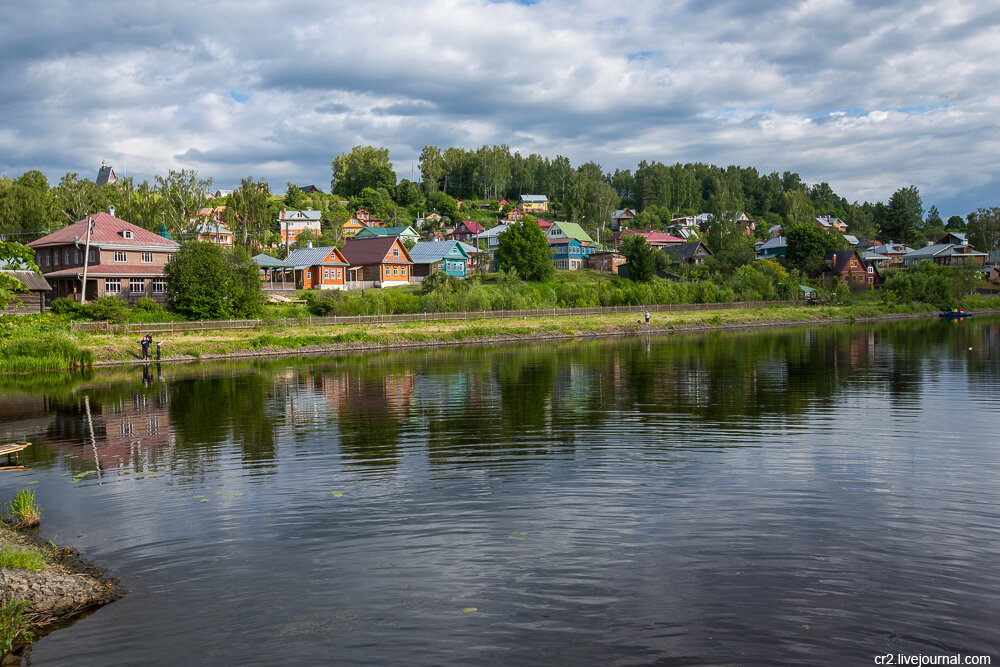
(204, 345)
(46, 345)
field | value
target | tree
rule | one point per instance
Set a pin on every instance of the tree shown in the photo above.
(798, 208)
(955, 224)
(808, 246)
(204, 282)
(984, 228)
(26, 205)
(904, 215)
(78, 197)
(248, 213)
(590, 199)
(140, 206)
(407, 193)
(523, 250)
(432, 168)
(641, 258)
(17, 257)
(295, 199)
(727, 237)
(364, 167)
(182, 193)
(375, 201)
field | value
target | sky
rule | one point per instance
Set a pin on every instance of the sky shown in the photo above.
(869, 96)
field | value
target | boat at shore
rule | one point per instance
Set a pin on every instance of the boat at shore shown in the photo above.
(954, 314)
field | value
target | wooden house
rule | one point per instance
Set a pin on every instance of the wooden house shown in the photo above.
(695, 252)
(293, 223)
(31, 298)
(383, 260)
(467, 230)
(570, 253)
(124, 260)
(847, 266)
(447, 256)
(534, 203)
(318, 268)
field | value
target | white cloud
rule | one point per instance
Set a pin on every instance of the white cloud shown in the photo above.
(867, 96)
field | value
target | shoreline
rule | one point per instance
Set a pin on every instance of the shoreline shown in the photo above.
(70, 586)
(508, 339)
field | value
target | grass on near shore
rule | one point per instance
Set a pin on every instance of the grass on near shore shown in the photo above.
(22, 509)
(15, 621)
(13, 557)
(196, 345)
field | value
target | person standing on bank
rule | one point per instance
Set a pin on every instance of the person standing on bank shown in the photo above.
(158, 344)
(647, 317)
(144, 346)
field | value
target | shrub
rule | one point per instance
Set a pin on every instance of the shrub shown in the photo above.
(15, 620)
(147, 305)
(66, 306)
(108, 308)
(23, 510)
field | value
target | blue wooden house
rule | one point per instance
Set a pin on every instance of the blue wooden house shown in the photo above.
(571, 253)
(447, 256)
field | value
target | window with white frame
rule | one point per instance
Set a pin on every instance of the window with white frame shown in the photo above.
(127, 233)
(136, 286)
(159, 285)
(66, 256)
(79, 257)
(326, 274)
(93, 257)
(395, 252)
(339, 274)
(112, 285)
(121, 256)
(395, 271)
(402, 270)
(309, 275)
(48, 261)
(871, 269)
(147, 258)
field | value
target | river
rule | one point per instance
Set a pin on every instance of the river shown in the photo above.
(801, 496)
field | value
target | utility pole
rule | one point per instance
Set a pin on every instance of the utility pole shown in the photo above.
(86, 261)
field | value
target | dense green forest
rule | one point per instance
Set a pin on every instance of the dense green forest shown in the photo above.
(30, 206)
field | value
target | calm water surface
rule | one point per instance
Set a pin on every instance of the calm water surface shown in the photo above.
(810, 496)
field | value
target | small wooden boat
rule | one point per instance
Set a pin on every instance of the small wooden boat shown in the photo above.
(954, 314)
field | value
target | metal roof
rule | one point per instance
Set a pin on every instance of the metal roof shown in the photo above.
(306, 257)
(30, 279)
(426, 252)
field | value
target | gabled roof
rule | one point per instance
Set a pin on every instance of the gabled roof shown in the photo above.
(30, 279)
(390, 231)
(359, 252)
(266, 261)
(839, 260)
(944, 250)
(853, 240)
(494, 231)
(425, 252)
(472, 226)
(469, 250)
(105, 175)
(775, 243)
(686, 250)
(107, 232)
(211, 228)
(299, 216)
(572, 230)
(534, 199)
(305, 257)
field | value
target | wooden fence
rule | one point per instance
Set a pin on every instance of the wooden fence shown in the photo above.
(357, 320)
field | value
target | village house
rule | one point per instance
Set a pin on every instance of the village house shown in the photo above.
(125, 261)
(534, 203)
(447, 256)
(567, 230)
(655, 239)
(570, 253)
(894, 251)
(512, 216)
(293, 223)
(31, 298)
(318, 268)
(491, 237)
(830, 223)
(105, 175)
(621, 219)
(946, 254)
(382, 260)
(404, 232)
(695, 252)
(467, 230)
(361, 219)
(847, 266)
(774, 248)
(214, 232)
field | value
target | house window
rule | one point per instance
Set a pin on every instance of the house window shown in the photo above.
(93, 256)
(339, 274)
(309, 275)
(402, 270)
(136, 286)
(159, 285)
(127, 234)
(395, 252)
(326, 274)
(387, 270)
(395, 270)
(66, 256)
(871, 279)
(121, 256)
(147, 258)
(854, 262)
(871, 269)
(48, 261)
(79, 257)
(112, 285)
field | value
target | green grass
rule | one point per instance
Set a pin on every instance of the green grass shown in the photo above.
(14, 558)
(15, 620)
(47, 351)
(23, 510)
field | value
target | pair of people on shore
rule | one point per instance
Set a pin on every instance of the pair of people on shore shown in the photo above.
(145, 342)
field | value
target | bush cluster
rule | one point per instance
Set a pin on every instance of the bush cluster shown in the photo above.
(931, 283)
(111, 309)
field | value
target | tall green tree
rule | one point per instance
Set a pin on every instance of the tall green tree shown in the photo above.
(904, 215)
(641, 258)
(182, 193)
(138, 205)
(78, 197)
(808, 246)
(590, 199)
(204, 282)
(248, 214)
(524, 250)
(432, 168)
(984, 228)
(955, 224)
(364, 167)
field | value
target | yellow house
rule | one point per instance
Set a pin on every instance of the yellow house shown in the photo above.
(351, 227)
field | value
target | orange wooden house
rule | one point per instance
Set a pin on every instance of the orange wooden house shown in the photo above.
(318, 268)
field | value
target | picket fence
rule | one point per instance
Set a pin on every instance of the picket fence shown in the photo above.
(357, 320)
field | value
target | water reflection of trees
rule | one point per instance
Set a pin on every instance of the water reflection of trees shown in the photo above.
(490, 406)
